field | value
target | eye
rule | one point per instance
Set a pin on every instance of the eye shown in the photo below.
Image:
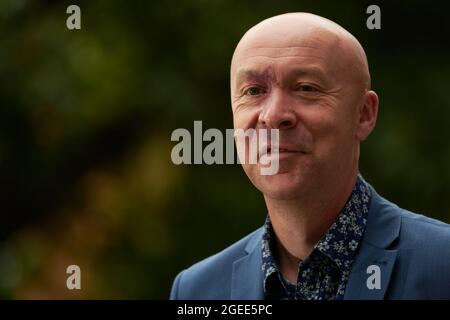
(254, 91)
(306, 88)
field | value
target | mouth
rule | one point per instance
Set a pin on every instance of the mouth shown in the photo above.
(281, 150)
(272, 150)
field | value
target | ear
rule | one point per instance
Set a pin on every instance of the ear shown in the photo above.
(367, 115)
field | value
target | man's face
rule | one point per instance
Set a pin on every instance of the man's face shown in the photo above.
(301, 85)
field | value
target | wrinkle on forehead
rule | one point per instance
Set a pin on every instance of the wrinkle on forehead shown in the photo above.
(293, 34)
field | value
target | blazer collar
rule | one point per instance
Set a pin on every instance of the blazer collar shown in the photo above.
(382, 229)
(383, 222)
(247, 277)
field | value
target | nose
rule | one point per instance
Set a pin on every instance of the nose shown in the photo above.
(277, 112)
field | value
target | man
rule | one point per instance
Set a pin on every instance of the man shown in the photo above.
(328, 234)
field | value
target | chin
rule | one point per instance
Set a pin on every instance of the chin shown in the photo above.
(282, 186)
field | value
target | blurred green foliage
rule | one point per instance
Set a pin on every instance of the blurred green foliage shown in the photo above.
(86, 118)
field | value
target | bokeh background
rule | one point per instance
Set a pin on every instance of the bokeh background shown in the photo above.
(86, 118)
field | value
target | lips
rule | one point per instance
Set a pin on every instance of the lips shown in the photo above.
(281, 149)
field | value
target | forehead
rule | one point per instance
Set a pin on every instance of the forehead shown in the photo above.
(280, 72)
(297, 53)
(281, 64)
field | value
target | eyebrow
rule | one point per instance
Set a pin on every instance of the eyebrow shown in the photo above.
(313, 71)
(246, 73)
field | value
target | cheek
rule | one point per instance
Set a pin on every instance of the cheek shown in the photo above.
(321, 124)
(329, 132)
(245, 118)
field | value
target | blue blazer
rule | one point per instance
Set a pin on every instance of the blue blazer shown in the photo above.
(411, 251)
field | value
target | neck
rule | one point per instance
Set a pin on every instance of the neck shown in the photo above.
(300, 223)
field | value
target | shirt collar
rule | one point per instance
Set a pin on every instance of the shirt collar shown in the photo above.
(342, 238)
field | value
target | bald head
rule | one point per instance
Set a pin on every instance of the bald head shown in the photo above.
(287, 32)
(307, 77)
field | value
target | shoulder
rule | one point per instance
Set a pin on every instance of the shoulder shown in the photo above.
(430, 236)
(423, 261)
(210, 278)
(413, 230)
(421, 245)
(424, 251)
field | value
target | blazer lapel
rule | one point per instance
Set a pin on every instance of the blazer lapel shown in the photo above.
(371, 262)
(247, 277)
(374, 258)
